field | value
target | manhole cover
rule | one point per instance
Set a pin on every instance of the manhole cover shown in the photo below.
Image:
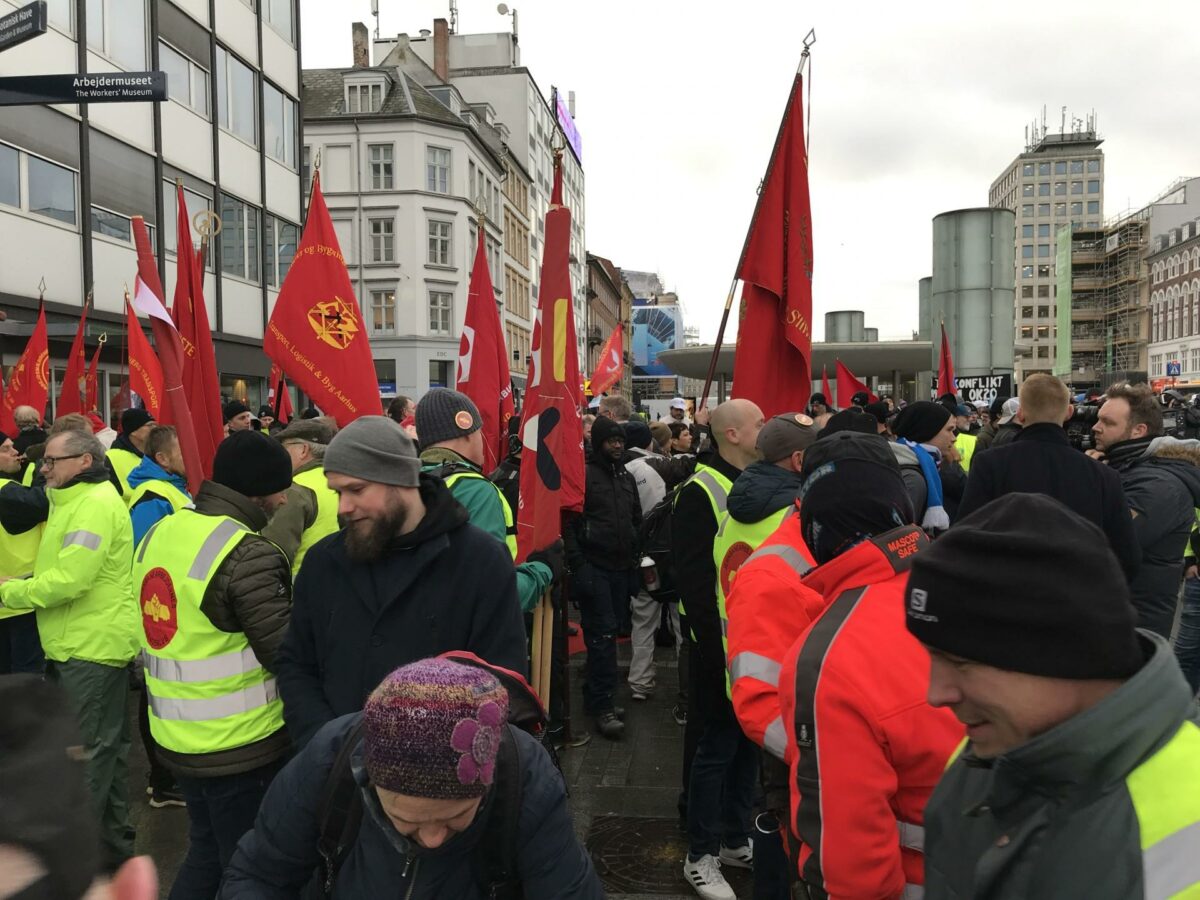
(636, 855)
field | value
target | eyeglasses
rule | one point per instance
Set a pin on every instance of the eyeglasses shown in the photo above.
(49, 461)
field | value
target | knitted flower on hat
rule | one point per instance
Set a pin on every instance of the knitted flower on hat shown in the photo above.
(432, 729)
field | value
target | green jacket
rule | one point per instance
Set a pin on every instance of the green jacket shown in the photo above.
(1105, 806)
(484, 505)
(81, 586)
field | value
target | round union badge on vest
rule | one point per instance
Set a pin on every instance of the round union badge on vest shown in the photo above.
(160, 618)
(732, 561)
(463, 419)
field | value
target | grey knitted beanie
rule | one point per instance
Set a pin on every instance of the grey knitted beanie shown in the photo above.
(443, 415)
(374, 448)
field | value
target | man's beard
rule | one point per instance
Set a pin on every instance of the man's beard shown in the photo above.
(368, 539)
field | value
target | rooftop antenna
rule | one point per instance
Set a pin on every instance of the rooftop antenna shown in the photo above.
(454, 16)
(1063, 127)
(375, 13)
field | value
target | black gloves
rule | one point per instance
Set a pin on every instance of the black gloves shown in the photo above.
(552, 557)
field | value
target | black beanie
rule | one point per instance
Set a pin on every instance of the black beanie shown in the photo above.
(996, 410)
(603, 429)
(637, 434)
(444, 415)
(919, 422)
(851, 419)
(252, 464)
(1061, 609)
(133, 419)
(234, 408)
(879, 409)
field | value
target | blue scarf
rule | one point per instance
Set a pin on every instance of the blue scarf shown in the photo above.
(936, 518)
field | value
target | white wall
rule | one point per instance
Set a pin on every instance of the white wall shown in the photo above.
(241, 307)
(237, 28)
(282, 196)
(239, 169)
(279, 61)
(114, 266)
(34, 250)
(187, 140)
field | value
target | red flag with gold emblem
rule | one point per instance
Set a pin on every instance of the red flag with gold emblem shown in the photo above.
(145, 371)
(552, 474)
(316, 333)
(70, 395)
(29, 384)
(92, 382)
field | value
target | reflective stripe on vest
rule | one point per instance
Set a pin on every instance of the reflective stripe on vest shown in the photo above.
(775, 738)
(717, 487)
(88, 539)
(510, 524)
(912, 837)
(789, 554)
(208, 691)
(326, 521)
(756, 666)
(162, 488)
(1165, 791)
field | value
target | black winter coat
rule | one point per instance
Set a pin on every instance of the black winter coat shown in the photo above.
(761, 490)
(1040, 460)
(606, 534)
(276, 859)
(445, 586)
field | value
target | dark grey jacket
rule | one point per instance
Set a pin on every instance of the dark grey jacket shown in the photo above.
(1064, 816)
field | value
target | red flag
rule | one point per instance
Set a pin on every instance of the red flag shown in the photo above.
(609, 365)
(551, 428)
(92, 389)
(316, 332)
(147, 298)
(946, 382)
(483, 361)
(70, 397)
(200, 381)
(277, 384)
(830, 399)
(145, 371)
(29, 384)
(848, 385)
(774, 349)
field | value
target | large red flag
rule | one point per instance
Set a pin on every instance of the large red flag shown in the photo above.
(279, 398)
(946, 381)
(92, 388)
(483, 372)
(316, 332)
(200, 381)
(145, 371)
(848, 385)
(551, 428)
(609, 365)
(29, 384)
(70, 398)
(148, 299)
(774, 348)
(830, 398)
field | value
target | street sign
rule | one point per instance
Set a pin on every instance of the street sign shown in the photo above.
(100, 87)
(23, 24)
(1174, 368)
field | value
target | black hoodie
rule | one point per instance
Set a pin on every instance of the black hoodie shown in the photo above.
(446, 585)
(762, 490)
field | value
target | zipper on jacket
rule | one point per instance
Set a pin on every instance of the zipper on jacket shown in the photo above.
(412, 884)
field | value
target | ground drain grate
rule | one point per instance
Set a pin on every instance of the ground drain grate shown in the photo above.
(643, 855)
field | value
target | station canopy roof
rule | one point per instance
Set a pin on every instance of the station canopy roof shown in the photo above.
(863, 358)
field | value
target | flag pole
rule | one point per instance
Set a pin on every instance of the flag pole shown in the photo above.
(805, 57)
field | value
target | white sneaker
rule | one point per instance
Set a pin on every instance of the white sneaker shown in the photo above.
(705, 876)
(739, 857)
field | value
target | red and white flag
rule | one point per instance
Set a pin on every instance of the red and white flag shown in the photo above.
(610, 365)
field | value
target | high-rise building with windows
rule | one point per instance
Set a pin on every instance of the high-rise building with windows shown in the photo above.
(73, 176)
(1057, 181)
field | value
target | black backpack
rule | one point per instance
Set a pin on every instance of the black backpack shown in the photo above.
(340, 810)
(654, 540)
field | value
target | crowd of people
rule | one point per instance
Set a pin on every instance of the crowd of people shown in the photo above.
(924, 649)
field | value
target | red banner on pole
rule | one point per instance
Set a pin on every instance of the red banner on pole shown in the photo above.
(70, 396)
(279, 398)
(610, 365)
(29, 384)
(92, 382)
(145, 370)
(946, 381)
(848, 385)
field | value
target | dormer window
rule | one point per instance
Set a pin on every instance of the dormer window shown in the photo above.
(364, 97)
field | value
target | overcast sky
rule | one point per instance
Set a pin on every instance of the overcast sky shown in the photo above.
(915, 110)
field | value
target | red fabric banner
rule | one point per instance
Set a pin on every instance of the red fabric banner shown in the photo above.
(830, 398)
(772, 365)
(92, 389)
(946, 381)
(611, 362)
(316, 333)
(70, 397)
(277, 384)
(483, 373)
(29, 384)
(200, 381)
(552, 474)
(848, 385)
(145, 370)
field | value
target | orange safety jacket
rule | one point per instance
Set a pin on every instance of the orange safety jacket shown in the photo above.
(768, 609)
(864, 748)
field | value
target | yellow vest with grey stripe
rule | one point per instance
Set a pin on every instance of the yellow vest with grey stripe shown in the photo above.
(208, 692)
(734, 544)
(326, 522)
(123, 462)
(162, 488)
(510, 524)
(717, 487)
(17, 554)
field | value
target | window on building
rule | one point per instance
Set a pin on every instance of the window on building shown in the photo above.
(1043, 352)
(441, 312)
(1093, 166)
(116, 29)
(280, 237)
(1076, 187)
(1094, 187)
(1194, 365)
(1027, 210)
(364, 98)
(10, 176)
(278, 14)
(1026, 271)
(306, 170)
(1027, 251)
(1043, 291)
(440, 373)
(383, 312)
(239, 239)
(1060, 188)
(237, 99)
(383, 240)
(1043, 271)
(1043, 210)
(437, 170)
(1044, 189)
(1060, 167)
(1027, 231)
(1077, 209)
(51, 190)
(1044, 168)
(1043, 231)
(1026, 312)
(1026, 291)
(110, 224)
(1043, 311)
(439, 242)
(1027, 190)
(381, 166)
(187, 81)
(1027, 332)
(1060, 210)
(279, 126)
(1043, 332)
(1043, 251)
(1027, 169)
(195, 203)
(1077, 167)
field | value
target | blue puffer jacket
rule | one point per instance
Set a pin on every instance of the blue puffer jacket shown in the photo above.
(762, 490)
(277, 858)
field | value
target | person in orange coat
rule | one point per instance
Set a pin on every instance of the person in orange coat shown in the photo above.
(863, 748)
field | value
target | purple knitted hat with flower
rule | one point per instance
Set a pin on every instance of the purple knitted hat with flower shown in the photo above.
(432, 729)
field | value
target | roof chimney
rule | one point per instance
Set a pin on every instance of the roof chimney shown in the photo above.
(441, 49)
(361, 39)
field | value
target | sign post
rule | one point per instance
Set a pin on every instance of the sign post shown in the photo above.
(23, 24)
(100, 87)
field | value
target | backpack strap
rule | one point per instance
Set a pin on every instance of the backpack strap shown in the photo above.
(339, 814)
(496, 854)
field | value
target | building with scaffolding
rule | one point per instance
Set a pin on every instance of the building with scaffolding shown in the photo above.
(1105, 331)
(1173, 264)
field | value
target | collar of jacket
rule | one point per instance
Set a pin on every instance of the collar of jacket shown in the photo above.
(149, 470)
(442, 515)
(761, 490)
(1101, 746)
(1125, 454)
(432, 457)
(715, 460)
(1043, 432)
(874, 560)
(217, 500)
(122, 442)
(309, 466)
(96, 474)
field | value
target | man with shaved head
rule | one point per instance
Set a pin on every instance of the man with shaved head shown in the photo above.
(720, 764)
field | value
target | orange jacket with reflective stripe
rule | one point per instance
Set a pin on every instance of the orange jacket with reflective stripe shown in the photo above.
(864, 748)
(768, 608)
